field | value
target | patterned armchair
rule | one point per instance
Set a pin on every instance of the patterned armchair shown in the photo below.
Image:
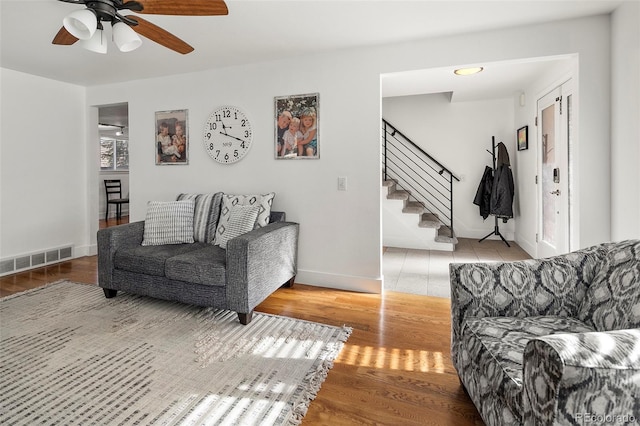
(550, 341)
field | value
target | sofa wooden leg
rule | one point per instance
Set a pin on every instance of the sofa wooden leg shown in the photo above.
(245, 318)
(109, 293)
(289, 284)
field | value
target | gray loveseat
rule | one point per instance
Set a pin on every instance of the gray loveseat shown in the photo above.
(551, 341)
(238, 278)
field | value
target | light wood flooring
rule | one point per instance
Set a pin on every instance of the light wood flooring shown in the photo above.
(395, 369)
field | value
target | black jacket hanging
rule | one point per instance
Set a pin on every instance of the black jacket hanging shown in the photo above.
(503, 187)
(483, 194)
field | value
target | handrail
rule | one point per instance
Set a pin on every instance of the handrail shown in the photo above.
(410, 167)
(444, 169)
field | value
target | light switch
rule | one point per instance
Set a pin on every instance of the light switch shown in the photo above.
(342, 183)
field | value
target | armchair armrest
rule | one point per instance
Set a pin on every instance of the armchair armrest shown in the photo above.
(111, 239)
(582, 378)
(259, 262)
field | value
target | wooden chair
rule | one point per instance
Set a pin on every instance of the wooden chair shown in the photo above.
(113, 188)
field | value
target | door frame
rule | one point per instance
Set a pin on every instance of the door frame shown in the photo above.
(567, 86)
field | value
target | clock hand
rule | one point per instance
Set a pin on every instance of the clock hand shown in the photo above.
(234, 137)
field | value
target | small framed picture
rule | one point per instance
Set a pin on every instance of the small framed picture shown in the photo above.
(172, 137)
(523, 138)
(297, 124)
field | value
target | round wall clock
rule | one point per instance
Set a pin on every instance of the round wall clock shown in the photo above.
(227, 134)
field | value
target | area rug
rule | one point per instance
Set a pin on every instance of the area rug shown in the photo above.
(70, 356)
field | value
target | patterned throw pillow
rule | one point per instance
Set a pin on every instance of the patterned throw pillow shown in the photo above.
(263, 202)
(242, 219)
(205, 216)
(612, 301)
(168, 222)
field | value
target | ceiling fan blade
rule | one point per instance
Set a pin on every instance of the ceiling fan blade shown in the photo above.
(64, 37)
(189, 8)
(160, 36)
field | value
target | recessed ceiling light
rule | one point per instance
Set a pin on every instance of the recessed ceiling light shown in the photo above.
(468, 71)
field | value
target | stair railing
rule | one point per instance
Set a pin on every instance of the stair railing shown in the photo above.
(428, 181)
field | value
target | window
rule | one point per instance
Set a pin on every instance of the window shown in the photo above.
(114, 154)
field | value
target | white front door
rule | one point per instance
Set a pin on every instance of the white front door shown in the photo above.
(554, 137)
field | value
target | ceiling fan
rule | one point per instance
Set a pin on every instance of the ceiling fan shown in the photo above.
(87, 24)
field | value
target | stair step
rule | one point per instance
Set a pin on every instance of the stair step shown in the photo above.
(413, 207)
(388, 182)
(446, 236)
(429, 220)
(398, 195)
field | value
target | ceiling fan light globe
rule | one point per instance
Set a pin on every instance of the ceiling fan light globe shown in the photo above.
(81, 24)
(125, 38)
(97, 43)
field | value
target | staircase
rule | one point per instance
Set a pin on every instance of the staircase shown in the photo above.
(416, 196)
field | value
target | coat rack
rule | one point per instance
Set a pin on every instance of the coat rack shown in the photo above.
(496, 229)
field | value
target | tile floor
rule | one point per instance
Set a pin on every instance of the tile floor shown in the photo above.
(426, 272)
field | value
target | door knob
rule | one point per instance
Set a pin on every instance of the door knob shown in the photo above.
(556, 192)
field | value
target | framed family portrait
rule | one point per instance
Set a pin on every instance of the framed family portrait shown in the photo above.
(523, 138)
(172, 138)
(297, 122)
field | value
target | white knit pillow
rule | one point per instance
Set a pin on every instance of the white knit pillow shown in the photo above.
(168, 222)
(242, 219)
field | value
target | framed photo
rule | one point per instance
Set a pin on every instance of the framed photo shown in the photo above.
(297, 124)
(172, 137)
(523, 138)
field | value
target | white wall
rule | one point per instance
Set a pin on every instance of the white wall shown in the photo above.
(625, 122)
(339, 238)
(458, 135)
(43, 170)
(340, 231)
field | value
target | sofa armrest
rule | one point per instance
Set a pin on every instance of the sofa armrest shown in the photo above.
(552, 286)
(111, 239)
(259, 262)
(582, 378)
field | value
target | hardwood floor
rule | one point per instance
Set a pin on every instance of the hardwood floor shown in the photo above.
(395, 369)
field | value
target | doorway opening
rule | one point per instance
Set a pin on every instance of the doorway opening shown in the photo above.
(113, 130)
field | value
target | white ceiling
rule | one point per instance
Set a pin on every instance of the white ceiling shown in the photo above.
(265, 30)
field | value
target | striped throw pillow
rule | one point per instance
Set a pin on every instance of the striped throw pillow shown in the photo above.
(205, 215)
(168, 222)
(242, 219)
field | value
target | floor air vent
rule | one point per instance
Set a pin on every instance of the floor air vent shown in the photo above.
(35, 260)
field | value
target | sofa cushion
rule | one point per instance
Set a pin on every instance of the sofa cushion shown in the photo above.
(168, 222)
(241, 221)
(612, 300)
(264, 203)
(150, 260)
(206, 266)
(496, 346)
(205, 215)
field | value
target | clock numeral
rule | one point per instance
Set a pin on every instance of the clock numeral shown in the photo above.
(208, 135)
(242, 145)
(235, 115)
(244, 122)
(226, 113)
(226, 157)
(217, 153)
(235, 153)
(218, 117)
(246, 133)
(211, 147)
(213, 126)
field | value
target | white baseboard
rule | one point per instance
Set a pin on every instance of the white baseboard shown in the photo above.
(340, 282)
